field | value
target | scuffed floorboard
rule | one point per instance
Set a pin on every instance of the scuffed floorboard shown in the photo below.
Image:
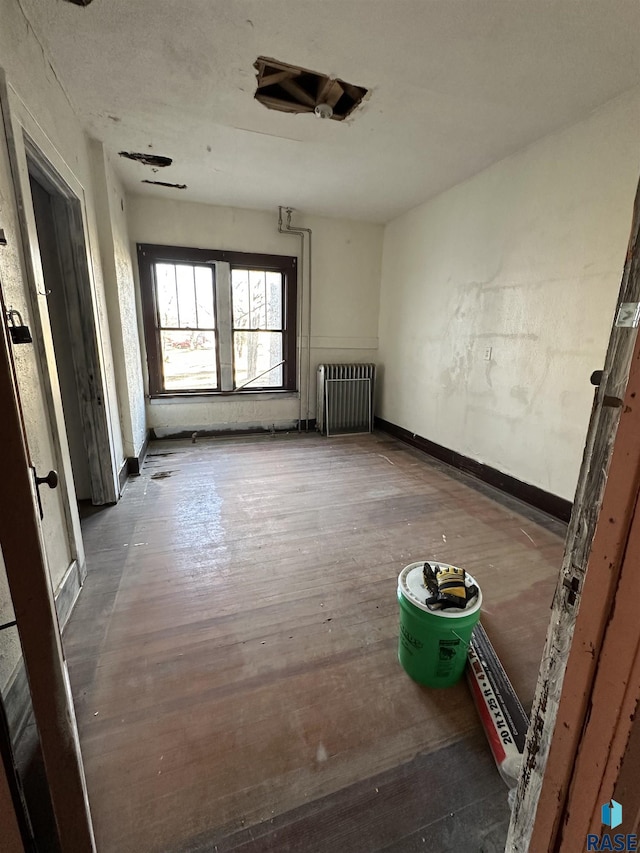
(233, 652)
(448, 800)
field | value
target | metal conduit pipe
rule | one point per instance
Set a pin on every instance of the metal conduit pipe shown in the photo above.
(308, 232)
(300, 232)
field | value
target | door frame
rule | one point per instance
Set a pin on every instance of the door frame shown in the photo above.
(12, 839)
(17, 836)
(576, 738)
(31, 152)
(615, 695)
(37, 622)
(70, 241)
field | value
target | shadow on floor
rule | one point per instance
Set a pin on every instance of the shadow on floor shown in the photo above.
(431, 803)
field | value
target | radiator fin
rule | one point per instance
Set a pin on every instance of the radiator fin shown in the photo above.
(345, 398)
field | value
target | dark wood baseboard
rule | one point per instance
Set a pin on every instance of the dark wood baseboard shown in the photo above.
(135, 463)
(555, 506)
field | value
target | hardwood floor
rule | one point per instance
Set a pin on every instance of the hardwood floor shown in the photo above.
(233, 652)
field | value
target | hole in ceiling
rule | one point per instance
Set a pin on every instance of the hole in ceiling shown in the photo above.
(165, 184)
(291, 89)
(147, 159)
(79, 2)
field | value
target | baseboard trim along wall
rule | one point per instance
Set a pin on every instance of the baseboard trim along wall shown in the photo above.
(552, 504)
(232, 431)
(135, 463)
(68, 592)
(123, 475)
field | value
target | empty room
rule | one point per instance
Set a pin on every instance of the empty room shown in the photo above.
(318, 375)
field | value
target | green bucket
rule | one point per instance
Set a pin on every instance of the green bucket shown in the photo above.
(433, 644)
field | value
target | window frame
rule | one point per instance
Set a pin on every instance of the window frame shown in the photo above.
(159, 329)
(150, 254)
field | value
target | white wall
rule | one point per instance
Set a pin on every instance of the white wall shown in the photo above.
(525, 258)
(345, 296)
(120, 298)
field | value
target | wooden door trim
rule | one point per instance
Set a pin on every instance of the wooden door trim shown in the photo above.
(11, 835)
(37, 622)
(613, 703)
(607, 489)
(597, 607)
(16, 831)
(28, 144)
(43, 346)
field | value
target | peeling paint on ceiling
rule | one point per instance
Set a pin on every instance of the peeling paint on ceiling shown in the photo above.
(147, 159)
(165, 184)
(455, 85)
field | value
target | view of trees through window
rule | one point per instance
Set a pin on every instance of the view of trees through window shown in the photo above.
(187, 325)
(257, 327)
(190, 337)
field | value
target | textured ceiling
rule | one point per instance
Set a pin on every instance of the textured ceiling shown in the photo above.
(454, 85)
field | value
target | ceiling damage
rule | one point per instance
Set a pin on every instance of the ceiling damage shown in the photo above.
(165, 184)
(153, 160)
(291, 89)
(156, 162)
(452, 86)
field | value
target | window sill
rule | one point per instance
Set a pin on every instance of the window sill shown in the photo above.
(220, 397)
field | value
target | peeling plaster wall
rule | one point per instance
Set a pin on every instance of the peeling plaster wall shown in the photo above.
(121, 298)
(30, 74)
(346, 282)
(525, 258)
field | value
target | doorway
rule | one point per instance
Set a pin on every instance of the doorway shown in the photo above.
(63, 254)
(41, 542)
(60, 329)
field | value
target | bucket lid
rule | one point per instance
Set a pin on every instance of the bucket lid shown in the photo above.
(411, 585)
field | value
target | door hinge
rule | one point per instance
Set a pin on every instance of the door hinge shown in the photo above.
(572, 584)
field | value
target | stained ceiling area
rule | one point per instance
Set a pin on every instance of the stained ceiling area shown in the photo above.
(451, 86)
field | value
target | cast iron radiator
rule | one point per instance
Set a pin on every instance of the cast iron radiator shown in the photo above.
(345, 398)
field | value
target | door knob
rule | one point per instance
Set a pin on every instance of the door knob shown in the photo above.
(51, 480)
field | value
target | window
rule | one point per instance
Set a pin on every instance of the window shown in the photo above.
(218, 321)
(185, 295)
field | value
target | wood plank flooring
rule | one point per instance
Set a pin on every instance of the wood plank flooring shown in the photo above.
(233, 652)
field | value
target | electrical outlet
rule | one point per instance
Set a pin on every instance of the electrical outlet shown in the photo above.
(487, 353)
